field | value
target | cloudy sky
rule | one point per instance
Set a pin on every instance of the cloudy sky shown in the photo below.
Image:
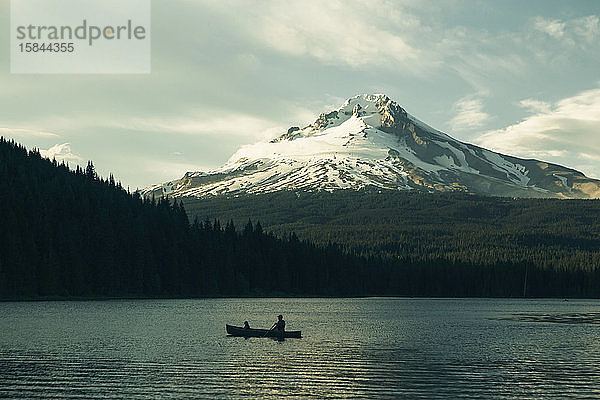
(519, 77)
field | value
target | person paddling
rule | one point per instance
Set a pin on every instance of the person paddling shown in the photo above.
(280, 324)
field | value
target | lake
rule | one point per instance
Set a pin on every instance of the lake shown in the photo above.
(351, 348)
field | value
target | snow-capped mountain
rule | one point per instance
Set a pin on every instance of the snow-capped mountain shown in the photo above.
(370, 141)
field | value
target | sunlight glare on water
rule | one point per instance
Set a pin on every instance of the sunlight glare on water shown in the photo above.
(351, 348)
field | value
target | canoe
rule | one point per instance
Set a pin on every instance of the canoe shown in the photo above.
(239, 331)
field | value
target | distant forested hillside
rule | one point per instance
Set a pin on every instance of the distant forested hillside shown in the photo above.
(71, 234)
(420, 227)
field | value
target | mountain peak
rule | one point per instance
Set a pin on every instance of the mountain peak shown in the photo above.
(367, 97)
(370, 141)
(375, 110)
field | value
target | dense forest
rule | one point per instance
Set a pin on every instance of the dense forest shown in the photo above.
(72, 234)
(421, 227)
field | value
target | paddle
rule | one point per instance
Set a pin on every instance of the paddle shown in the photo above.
(267, 332)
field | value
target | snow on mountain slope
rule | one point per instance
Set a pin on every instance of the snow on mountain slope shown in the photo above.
(370, 141)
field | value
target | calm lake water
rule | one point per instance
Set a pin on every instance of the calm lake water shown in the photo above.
(352, 348)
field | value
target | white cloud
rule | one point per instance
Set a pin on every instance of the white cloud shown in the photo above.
(19, 132)
(469, 113)
(552, 27)
(61, 152)
(568, 133)
(535, 105)
(574, 32)
(205, 124)
(352, 33)
(587, 27)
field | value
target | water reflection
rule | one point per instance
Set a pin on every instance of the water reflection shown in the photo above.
(569, 318)
(353, 348)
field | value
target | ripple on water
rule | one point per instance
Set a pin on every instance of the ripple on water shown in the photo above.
(353, 348)
(566, 318)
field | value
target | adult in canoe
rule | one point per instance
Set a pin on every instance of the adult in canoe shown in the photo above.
(280, 324)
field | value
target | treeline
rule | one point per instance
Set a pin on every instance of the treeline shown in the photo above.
(424, 227)
(72, 234)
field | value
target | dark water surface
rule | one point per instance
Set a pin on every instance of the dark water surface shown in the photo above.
(352, 348)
